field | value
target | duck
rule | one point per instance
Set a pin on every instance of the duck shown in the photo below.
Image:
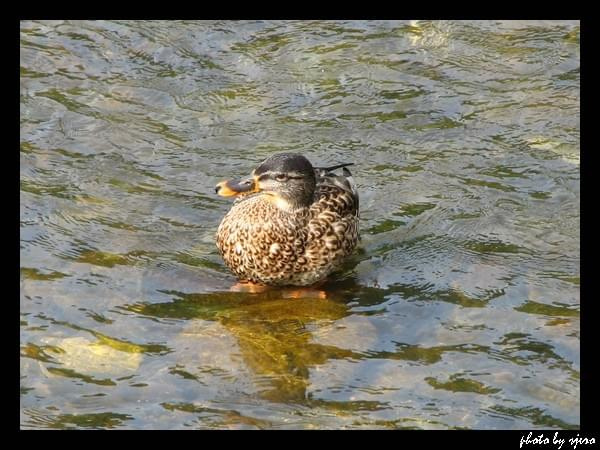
(291, 224)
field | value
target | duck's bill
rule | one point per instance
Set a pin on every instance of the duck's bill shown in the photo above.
(232, 188)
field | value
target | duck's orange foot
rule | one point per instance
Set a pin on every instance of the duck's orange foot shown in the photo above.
(311, 291)
(248, 286)
(304, 293)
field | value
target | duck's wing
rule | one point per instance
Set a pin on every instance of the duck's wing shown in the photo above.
(333, 219)
(336, 193)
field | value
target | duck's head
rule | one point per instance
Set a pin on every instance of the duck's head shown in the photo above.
(288, 177)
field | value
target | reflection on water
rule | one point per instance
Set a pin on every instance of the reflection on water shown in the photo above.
(460, 309)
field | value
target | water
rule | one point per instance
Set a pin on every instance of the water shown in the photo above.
(459, 310)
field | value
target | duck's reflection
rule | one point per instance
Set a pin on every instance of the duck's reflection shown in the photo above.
(275, 341)
(272, 329)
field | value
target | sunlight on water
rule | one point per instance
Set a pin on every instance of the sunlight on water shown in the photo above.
(460, 309)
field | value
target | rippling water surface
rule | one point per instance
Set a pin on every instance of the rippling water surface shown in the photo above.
(461, 307)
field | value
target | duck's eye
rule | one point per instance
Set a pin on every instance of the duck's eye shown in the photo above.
(281, 177)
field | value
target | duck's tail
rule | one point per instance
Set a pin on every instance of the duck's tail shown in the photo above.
(332, 168)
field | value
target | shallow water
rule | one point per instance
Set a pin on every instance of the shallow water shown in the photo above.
(459, 310)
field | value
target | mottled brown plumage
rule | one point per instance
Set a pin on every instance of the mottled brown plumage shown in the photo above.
(291, 224)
